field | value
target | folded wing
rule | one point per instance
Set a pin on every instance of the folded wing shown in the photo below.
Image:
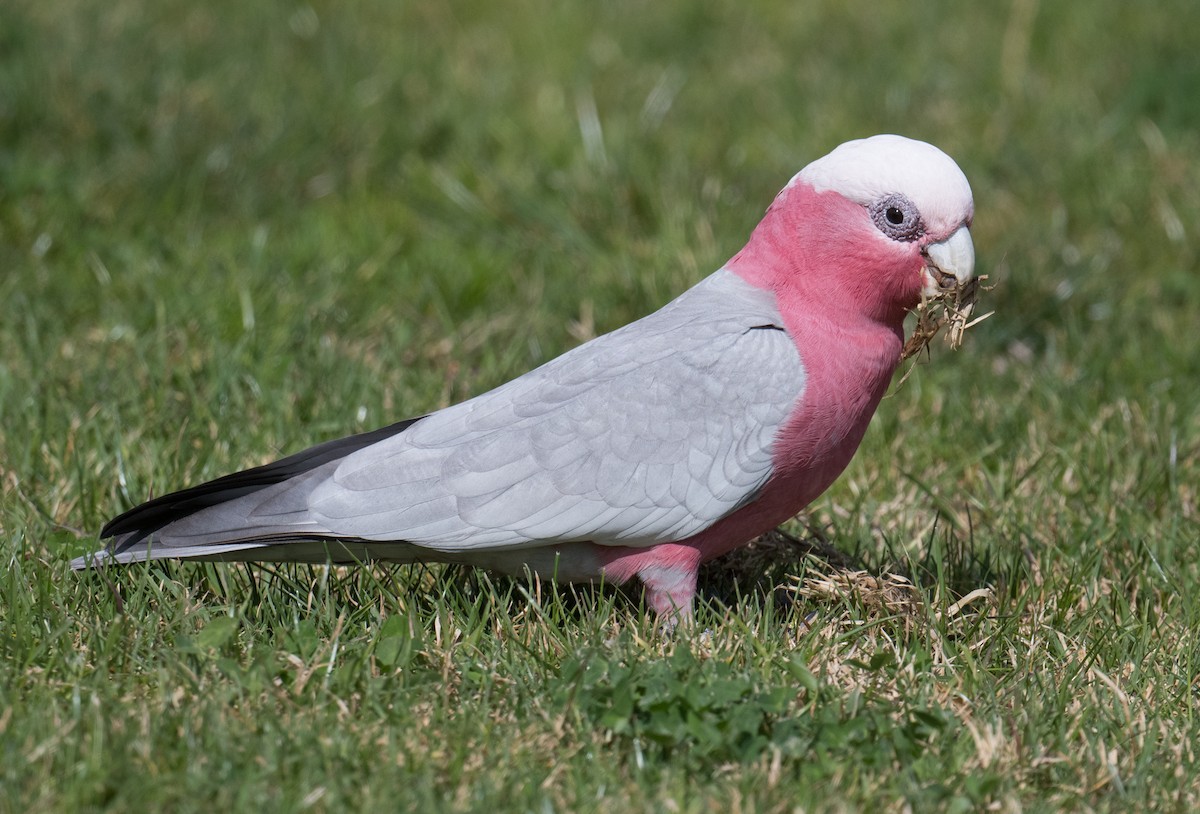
(649, 434)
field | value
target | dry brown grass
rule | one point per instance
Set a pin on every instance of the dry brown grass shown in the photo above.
(951, 309)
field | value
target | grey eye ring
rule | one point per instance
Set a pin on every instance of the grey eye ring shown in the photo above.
(897, 217)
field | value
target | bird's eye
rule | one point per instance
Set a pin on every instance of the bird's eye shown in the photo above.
(898, 218)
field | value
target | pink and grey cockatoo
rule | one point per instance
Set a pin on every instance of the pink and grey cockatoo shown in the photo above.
(641, 453)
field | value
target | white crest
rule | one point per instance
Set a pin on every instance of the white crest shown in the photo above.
(868, 169)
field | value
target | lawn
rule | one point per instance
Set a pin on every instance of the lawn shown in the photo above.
(230, 230)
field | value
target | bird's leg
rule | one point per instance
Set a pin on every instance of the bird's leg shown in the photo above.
(667, 572)
(670, 590)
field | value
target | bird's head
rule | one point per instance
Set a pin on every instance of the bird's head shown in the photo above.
(871, 226)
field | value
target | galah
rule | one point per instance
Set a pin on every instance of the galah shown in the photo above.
(641, 453)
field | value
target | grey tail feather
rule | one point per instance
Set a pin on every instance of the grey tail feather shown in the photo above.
(134, 526)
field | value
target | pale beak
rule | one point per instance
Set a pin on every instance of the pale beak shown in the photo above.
(951, 262)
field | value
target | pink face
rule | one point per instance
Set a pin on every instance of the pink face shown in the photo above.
(867, 229)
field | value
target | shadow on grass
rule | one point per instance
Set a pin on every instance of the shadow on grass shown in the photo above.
(764, 575)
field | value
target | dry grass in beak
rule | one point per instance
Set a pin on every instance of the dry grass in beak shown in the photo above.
(951, 308)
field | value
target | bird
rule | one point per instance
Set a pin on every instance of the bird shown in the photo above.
(642, 453)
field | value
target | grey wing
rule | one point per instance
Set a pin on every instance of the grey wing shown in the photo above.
(648, 434)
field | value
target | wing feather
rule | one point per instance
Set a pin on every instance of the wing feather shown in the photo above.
(648, 434)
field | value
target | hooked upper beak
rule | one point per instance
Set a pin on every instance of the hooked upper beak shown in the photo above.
(951, 262)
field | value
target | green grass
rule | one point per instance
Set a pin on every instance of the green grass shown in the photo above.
(229, 230)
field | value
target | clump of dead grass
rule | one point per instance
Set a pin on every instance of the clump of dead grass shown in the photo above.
(879, 595)
(860, 597)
